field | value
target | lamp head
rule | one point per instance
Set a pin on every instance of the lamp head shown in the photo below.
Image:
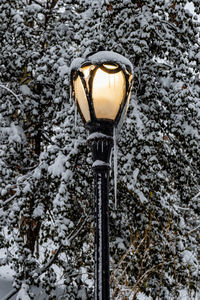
(101, 86)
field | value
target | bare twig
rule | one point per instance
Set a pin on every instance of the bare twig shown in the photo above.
(9, 90)
(125, 255)
(164, 254)
(143, 277)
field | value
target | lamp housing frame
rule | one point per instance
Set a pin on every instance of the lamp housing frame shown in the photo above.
(95, 124)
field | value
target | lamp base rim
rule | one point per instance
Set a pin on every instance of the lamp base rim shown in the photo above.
(104, 126)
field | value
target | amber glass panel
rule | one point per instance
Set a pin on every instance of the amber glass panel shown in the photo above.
(81, 98)
(108, 93)
(129, 95)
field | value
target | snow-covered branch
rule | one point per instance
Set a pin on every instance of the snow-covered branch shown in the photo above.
(9, 90)
(196, 196)
(40, 271)
(70, 238)
(4, 203)
(170, 24)
(193, 230)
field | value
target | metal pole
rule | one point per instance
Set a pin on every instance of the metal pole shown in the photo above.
(101, 149)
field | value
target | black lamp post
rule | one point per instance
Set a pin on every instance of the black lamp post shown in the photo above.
(101, 86)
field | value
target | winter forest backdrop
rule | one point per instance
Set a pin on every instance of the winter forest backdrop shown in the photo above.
(46, 203)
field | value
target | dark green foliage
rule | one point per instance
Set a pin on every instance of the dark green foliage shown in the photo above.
(45, 165)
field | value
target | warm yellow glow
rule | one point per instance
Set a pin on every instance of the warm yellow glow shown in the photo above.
(110, 67)
(129, 95)
(81, 98)
(108, 93)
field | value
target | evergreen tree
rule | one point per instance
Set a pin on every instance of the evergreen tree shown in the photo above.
(45, 165)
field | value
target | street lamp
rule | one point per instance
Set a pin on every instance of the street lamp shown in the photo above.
(101, 86)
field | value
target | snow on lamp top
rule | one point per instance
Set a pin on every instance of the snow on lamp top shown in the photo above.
(101, 84)
(102, 57)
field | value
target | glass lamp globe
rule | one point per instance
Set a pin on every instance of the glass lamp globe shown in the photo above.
(101, 87)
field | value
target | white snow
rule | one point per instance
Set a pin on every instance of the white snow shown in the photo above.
(35, 7)
(5, 271)
(120, 243)
(57, 168)
(100, 163)
(25, 90)
(76, 63)
(6, 275)
(102, 57)
(38, 211)
(183, 295)
(37, 173)
(97, 135)
(67, 175)
(27, 188)
(18, 19)
(141, 196)
(22, 294)
(9, 90)
(87, 14)
(63, 70)
(82, 294)
(190, 7)
(16, 134)
(188, 257)
(141, 296)
(139, 124)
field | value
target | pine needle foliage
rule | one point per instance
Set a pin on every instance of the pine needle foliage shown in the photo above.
(46, 182)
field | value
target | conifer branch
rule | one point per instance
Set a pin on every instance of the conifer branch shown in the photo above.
(70, 238)
(40, 271)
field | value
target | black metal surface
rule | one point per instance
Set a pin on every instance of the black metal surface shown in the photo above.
(102, 290)
(101, 125)
(101, 150)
